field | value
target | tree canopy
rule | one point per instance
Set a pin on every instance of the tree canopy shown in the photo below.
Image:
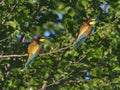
(95, 65)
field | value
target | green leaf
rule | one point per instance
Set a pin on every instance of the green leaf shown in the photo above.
(116, 69)
(13, 24)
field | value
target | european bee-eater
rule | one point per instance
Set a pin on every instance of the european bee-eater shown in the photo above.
(34, 48)
(85, 30)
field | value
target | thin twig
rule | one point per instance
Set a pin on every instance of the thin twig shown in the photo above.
(4, 39)
(2, 2)
(8, 56)
(37, 10)
(43, 87)
(8, 15)
(59, 50)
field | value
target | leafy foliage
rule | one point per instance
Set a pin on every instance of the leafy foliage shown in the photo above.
(60, 68)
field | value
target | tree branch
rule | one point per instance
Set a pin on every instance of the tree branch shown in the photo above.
(4, 39)
(2, 2)
(24, 55)
(8, 15)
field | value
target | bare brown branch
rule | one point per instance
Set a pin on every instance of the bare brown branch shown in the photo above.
(24, 55)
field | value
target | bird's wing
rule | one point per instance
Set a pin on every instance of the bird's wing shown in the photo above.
(33, 50)
(84, 30)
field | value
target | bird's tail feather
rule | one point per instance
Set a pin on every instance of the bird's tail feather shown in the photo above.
(25, 68)
(78, 42)
(74, 44)
(29, 61)
(81, 41)
(26, 65)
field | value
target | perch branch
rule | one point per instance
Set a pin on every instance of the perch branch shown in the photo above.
(24, 55)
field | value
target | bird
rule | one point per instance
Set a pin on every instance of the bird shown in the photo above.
(86, 29)
(34, 48)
